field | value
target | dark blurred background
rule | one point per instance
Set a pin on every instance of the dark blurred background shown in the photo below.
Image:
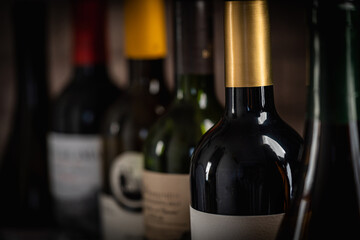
(288, 42)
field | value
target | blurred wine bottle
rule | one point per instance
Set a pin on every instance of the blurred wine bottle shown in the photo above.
(245, 168)
(75, 145)
(128, 121)
(328, 204)
(25, 198)
(173, 137)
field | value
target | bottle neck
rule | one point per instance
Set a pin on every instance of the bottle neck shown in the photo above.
(145, 45)
(194, 37)
(334, 86)
(95, 73)
(257, 101)
(30, 54)
(89, 32)
(145, 29)
(197, 89)
(249, 88)
(194, 56)
(146, 74)
(247, 44)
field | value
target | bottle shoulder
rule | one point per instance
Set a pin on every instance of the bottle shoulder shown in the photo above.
(82, 93)
(247, 140)
(174, 136)
(241, 163)
(80, 107)
(184, 119)
(184, 113)
(135, 109)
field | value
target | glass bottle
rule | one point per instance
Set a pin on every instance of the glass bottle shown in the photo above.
(129, 119)
(25, 198)
(327, 205)
(174, 136)
(243, 171)
(75, 144)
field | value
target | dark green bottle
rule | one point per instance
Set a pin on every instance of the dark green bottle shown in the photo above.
(327, 206)
(173, 137)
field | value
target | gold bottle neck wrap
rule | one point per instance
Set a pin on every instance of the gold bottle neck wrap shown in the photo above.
(247, 44)
(145, 29)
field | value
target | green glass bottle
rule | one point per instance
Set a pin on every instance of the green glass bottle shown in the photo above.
(327, 206)
(173, 137)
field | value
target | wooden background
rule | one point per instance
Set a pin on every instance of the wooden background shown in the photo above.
(288, 43)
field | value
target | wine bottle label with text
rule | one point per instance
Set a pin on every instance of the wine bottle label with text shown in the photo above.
(166, 205)
(214, 226)
(74, 164)
(119, 223)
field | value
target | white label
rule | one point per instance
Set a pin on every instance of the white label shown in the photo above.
(126, 178)
(213, 226)
(119, 223)
(74, 164)
(166, 205)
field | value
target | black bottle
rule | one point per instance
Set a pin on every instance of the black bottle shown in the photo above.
(25, 201)
(75, 144)
(244, 169)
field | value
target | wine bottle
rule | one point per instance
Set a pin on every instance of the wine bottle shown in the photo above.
(327, 206)
(173, 137)
(243, 171)
(25, 199)
(74, 142)
(128, 120)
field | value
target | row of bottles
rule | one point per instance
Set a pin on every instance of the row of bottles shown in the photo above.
(126, 164)
(251, 178)
(127, 135)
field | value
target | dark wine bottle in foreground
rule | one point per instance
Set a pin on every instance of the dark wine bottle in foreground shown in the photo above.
(129, 119)
(327, 205)
(25, 201)
(173, 137)
(75, 144)
(243, 170)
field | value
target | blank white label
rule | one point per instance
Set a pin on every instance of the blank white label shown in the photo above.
(213, 226)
